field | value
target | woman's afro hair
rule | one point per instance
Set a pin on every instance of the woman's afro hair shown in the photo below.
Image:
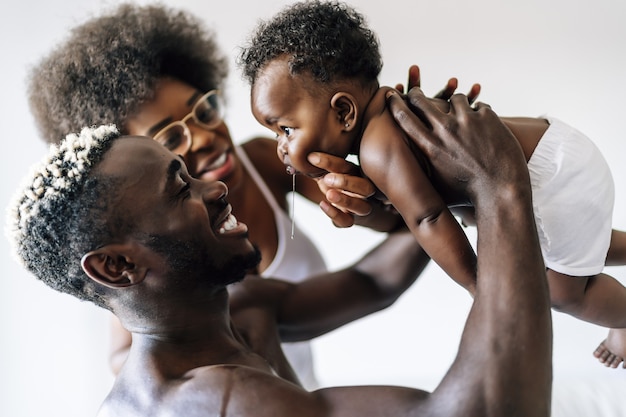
(111, 64)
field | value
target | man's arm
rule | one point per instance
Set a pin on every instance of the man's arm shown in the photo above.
(503, 367)
(504, 362)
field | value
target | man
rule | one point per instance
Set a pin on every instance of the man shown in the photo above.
(160, 248)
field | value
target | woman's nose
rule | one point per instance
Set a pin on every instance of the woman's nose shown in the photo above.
(201, 137)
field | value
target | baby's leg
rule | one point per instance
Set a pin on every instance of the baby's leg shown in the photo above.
(599, 299)
(617, 250)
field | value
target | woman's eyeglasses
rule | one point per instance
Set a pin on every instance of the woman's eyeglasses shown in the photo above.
(207, 112)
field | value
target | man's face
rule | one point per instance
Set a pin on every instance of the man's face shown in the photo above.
(303, 121)
(187, 220)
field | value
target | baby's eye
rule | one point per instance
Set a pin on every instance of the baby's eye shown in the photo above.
(288, 130)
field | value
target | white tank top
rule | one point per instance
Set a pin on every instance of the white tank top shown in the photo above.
(295, 260)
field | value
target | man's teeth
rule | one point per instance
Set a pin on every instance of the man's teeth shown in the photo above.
(218, 162)
(229, 224)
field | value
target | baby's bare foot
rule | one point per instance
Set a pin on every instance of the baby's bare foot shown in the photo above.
(612, 351)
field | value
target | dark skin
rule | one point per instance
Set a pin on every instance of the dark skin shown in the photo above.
(346, 117)
(173, 100)
(206, 368)
(598, 299)
(322, 303)
(345, 197)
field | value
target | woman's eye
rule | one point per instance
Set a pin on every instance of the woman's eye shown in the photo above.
(288, 130)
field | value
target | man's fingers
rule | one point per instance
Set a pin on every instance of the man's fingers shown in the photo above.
(413, 126)
(449, 89)
(460, 103)
(414, 77)
(480, 105)
(473, 93)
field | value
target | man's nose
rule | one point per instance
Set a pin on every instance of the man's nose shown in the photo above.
(214, 191)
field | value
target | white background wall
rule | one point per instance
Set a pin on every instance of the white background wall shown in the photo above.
(563, 57)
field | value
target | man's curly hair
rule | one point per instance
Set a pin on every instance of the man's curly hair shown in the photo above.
(330, 40)
(64, 210)
(110, 65)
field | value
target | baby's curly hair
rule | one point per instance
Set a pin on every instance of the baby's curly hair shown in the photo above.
(110, 64)
(330, 40)
(59, 214)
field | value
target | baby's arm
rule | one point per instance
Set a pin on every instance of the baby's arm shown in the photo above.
(389, 162)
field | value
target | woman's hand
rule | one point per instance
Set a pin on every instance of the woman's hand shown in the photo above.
(349, 196)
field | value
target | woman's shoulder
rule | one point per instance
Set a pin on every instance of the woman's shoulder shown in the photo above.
(259, 144)
(262, 154)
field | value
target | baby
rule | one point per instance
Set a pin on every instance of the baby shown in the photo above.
(313, 71)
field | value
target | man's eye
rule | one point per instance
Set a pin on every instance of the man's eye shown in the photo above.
(184, 192)
(288, 130)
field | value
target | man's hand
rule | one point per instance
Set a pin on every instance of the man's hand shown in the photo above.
(414, 80)
(471, 151)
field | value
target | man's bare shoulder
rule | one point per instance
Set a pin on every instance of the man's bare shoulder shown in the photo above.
(213, 390)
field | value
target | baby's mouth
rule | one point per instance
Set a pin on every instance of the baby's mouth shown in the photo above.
(314, 175)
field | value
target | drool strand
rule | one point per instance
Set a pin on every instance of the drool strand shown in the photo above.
(293, 205)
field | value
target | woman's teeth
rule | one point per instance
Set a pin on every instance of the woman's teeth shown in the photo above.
(229, 224)
(218, 162)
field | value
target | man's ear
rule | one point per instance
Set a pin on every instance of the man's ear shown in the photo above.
(345, 106)
(114, 266)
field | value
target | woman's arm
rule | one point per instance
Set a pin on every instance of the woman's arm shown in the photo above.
(327, 301)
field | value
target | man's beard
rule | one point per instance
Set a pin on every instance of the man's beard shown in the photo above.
(189, 258)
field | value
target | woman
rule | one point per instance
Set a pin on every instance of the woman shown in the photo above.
(159, 69)
(158, 72)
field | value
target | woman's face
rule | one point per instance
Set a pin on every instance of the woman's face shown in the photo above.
(210, 156)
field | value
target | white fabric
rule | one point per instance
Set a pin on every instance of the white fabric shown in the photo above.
(573, 197)
(296, 259)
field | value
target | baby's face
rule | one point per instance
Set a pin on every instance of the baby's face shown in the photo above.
(302, 119)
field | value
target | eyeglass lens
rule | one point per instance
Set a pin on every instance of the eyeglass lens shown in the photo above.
(207, 112)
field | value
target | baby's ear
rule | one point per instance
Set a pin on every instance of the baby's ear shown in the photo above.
(345, 105)
(113, 266)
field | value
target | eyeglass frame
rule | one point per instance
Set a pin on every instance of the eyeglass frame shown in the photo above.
(192, 115)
